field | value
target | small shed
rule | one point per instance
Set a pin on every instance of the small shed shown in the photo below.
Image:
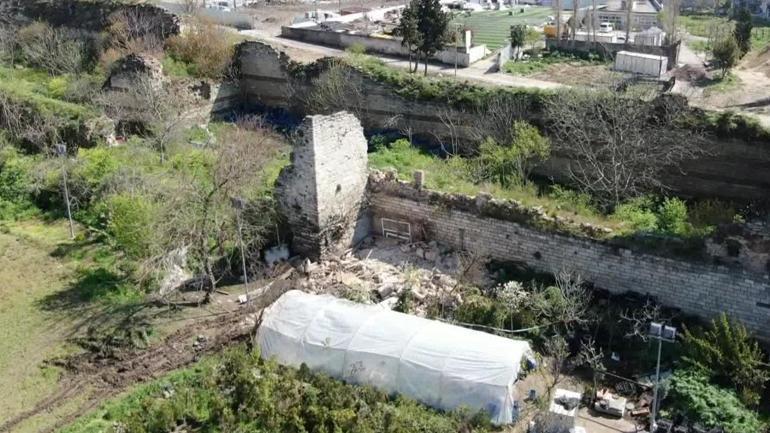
(438, 364)
(640, 63)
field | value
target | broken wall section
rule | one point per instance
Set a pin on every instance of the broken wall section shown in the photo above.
(480, 224)
(322, 192)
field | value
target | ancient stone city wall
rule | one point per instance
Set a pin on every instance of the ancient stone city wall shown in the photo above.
(484, 225)
(735, 170)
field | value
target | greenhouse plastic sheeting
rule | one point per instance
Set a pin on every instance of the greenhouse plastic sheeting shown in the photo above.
(441, 365)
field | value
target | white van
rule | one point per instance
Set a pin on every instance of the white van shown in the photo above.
(605, 27)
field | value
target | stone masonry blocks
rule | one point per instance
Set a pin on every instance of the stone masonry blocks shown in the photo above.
(321, 193)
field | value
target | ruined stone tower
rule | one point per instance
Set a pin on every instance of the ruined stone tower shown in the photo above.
(321, 193)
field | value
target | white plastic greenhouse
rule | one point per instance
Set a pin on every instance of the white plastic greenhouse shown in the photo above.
(441, 365)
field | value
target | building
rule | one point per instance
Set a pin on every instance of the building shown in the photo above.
(760, 8)
(644, 14)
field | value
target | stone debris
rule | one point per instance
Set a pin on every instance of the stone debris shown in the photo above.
(380, 273)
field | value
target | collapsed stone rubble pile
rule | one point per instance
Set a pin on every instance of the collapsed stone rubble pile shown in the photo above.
(381, 272)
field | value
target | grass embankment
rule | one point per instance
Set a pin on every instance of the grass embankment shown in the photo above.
(47, 93)
(645, 215)
(53, 289)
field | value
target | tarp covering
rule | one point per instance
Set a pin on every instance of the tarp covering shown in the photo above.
(441, 365)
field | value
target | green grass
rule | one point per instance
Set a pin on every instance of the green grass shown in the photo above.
(448, 175)
(539, 64)
(42, 90)
(709, 26)
(720, 85)
(29, 274)
(493, 27)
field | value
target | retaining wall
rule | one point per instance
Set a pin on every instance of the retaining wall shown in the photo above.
(478, 224)
(736, 169)
(388, 46)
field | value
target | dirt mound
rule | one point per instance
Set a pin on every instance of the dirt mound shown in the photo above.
(691, 73)
(759, 61)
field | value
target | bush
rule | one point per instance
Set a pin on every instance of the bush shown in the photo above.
(638, 214)
(15, 178)
(672, 217)
(205, 47)
(510, 163)
(241, 392)
(131, 223)
(726, 353)
(708, 214)
(693, 396)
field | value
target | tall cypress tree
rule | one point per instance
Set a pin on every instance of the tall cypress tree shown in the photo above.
(432, 25)
(742, 32)
(410, 34)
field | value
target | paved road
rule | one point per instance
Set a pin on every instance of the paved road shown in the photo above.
(477, 72)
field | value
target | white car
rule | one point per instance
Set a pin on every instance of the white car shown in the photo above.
(606, 27)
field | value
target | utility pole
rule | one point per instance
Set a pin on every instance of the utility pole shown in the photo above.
(661, 333)
(239, 205)
(61, 151)
(457, 37)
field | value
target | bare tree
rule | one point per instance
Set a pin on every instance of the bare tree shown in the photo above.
(572, 305)
(556, 353)
(338, 88)
(495, 118)
(159, 108)
(32, 128)
(199, 214)
(671, 20)
(56, 50)
(592, 356)
(639, 319)
(132, 30)
(619, 146)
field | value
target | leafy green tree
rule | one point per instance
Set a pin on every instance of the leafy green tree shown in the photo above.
(727, 354)
(518, 37)
(512, 162)
(742, 32)
(432, 23)
(726, 53)
(409, 32)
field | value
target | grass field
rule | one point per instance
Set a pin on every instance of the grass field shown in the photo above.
(493, 27)
(709, 26)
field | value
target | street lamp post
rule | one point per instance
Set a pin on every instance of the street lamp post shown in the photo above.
(61, 151)
(239, 205)
(661, 333)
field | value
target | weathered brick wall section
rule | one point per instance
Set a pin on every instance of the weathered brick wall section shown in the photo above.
(736, 169)
(322, 191)
(695, 288)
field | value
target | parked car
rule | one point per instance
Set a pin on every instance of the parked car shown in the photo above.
(606, 27)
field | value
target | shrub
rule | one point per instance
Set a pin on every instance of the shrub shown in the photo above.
(726, 353)
(638, 214)
(130, 223)
(693, 396)
(205, 47)
(510, 163)
(672, 217)
(707, 214)
(15, 178)
(241, 392)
